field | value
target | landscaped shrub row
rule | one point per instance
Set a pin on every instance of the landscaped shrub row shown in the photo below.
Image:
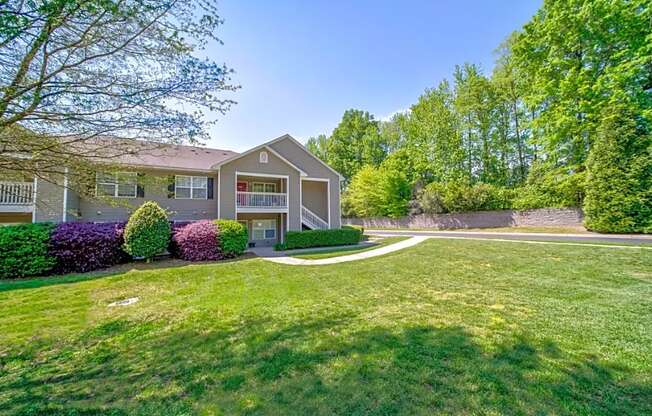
(321, 238)
(38, 249)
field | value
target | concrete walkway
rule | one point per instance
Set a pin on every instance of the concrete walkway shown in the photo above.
(351, 257)
(641, 239)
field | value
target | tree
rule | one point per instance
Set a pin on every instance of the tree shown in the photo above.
(474, 102)
(432, 137)
(318, 146)
(575, 55)
(619, 183)
(510, 84)
(355, 142)
(75, 71)
(378, 191)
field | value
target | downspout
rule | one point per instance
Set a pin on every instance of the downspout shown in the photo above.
(65, 194)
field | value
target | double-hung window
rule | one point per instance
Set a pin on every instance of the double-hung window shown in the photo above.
(263, 229)
(119, 185)
(263, 187)
(190, 187)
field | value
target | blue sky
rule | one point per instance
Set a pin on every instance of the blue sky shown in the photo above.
(301, 64)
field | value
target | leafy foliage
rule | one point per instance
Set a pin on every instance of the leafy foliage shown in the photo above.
(378, 192)
(147, 232)
(355, 142)
(444, 197)
(24, 250)
(320, 238)
(233, 237)
(196, 241)
(548, 187)
(83, 247)
(619, 182)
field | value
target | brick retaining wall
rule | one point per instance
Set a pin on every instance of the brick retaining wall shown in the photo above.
(482, 219)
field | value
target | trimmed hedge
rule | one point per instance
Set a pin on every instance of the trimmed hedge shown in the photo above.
(147, 232)
(321, 238)
(355, 227)
(233, 237)
(24, 250)
(86, 246)
(196, 241)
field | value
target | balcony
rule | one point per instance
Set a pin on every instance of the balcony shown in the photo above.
(16, 196)
(261, 202)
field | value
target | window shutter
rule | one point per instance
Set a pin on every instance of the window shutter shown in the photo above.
(170, 187)
(209, 191)
(140, 188)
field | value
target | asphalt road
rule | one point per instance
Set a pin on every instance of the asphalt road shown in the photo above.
(629, 239)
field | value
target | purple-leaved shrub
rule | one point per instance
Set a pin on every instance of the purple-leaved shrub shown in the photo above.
(196, 241)
(85, 246)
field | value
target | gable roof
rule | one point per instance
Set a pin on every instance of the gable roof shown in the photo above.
(259, 147)
(182, 157)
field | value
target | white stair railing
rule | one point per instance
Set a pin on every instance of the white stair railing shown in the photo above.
(16, 193)
(312, 220)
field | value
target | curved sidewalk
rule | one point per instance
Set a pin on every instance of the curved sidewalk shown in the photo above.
(351, 257)
(516, 236)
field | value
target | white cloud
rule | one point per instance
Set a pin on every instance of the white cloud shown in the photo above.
(388, 117)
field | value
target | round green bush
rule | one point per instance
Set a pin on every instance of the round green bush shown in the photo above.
(147, 232)
(232, 236)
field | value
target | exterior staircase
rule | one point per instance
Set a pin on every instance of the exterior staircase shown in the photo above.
(312, 220)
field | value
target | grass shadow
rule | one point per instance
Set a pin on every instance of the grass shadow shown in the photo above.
(255, 366)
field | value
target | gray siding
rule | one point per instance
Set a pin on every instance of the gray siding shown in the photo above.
(155, 185)
(315, 197)
(307, 162)
(251, 163)
(49, 201)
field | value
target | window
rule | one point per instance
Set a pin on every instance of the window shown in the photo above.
(190, 187)
(263, 187)
(263, 229)
(119, 185)
(263, 157)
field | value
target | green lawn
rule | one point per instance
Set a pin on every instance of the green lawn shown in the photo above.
(344, 251)
(448, 327)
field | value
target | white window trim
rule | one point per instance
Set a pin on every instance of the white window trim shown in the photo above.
(192, 179)
(274, 226)
(263, 183)
(263, 157)
(115, 185)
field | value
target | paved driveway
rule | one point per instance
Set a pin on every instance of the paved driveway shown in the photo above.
(637, 239)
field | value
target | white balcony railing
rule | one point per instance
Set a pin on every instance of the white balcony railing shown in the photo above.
(16, 193)
(262, 200)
